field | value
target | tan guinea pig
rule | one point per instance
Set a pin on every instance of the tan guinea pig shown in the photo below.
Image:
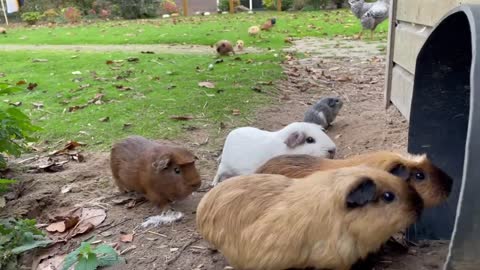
(163, 173)
(327, 220)
(433, 185)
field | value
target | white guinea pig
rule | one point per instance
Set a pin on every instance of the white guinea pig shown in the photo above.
(247, 148)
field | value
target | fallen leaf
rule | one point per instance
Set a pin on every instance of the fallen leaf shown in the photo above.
(64, 225)
(334, 69)
(133, 59)
(16, 104)
(123, 88)
(76, 73)
(39, 60)
(32, 86)
(126, 238)
(171, 86)
(235, 112)
(170, 72)
(37, 105)
(206, 84)
(181, 117)
(21, 82)
(218, 61)
(77, 157)
(104, 119)
(76, 108)
(127, 125)
(147, 52)
(88, 221)
(109, 62)
(98, 99)
(70, 145)
(66, 188)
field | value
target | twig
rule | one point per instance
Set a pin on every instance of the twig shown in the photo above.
(113, 226)
(172, 260)
(159, 234)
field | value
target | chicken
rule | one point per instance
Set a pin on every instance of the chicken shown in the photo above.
(374, 16)
(370, 14)
(253, 30)
(268, 24)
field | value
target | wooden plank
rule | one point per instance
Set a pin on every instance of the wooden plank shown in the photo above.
(390, 53)
(279, 5)
(409, 39)
(185, 8)
(402, 90)
(425, 12)
(232, 8)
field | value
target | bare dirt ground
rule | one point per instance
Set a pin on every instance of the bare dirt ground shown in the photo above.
(362, 125)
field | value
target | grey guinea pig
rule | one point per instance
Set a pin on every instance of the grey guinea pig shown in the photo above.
(324, 111)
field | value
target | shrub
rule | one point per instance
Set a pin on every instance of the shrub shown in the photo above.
(169, 7)
(298, 4)
(72, 15)
(224, 5)
(31, 17)
(16, 237)
(15, 128)
(272, 4)
(50, 15)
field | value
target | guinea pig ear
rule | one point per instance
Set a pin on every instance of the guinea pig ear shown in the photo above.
(401, 171)
(295, 139)
(161, 163)
(362, 193)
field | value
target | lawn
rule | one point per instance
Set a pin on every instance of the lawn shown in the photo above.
(139, 97)
(203, 30)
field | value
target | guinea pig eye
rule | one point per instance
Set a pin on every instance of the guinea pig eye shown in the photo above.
(388, 197)
(419, 176)
(310, 140)
(177, 170)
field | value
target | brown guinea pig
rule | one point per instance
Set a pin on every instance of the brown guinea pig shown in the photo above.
(433, 185)
(163, 173)
(327, 220)
(224, 47)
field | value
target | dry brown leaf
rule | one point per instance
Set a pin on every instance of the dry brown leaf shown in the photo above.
(235, 112)
(181, 117)
(64, 225)
(104, 119)
(90, 219)
(71, 145)
(21, 82)
(206, 85)
(37, 105)
(32, 86)
(126, 238)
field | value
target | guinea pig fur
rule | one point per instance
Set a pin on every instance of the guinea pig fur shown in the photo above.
(433, 185)
(324, 111)
(224, 47)
(163, 173)
(247, 148)
(327, 220)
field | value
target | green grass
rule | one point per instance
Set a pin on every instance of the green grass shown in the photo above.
(149, 106)
(198, 30)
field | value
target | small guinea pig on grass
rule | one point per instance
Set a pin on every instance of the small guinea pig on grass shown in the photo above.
(163, 173)
(224, 47)
(247, 148)
(433, 185)
(327, 220)
(324, 111)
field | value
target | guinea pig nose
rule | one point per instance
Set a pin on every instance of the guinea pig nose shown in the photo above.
(332, 152)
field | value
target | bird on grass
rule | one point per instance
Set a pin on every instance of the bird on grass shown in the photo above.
(269, 24)
(370, 14)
